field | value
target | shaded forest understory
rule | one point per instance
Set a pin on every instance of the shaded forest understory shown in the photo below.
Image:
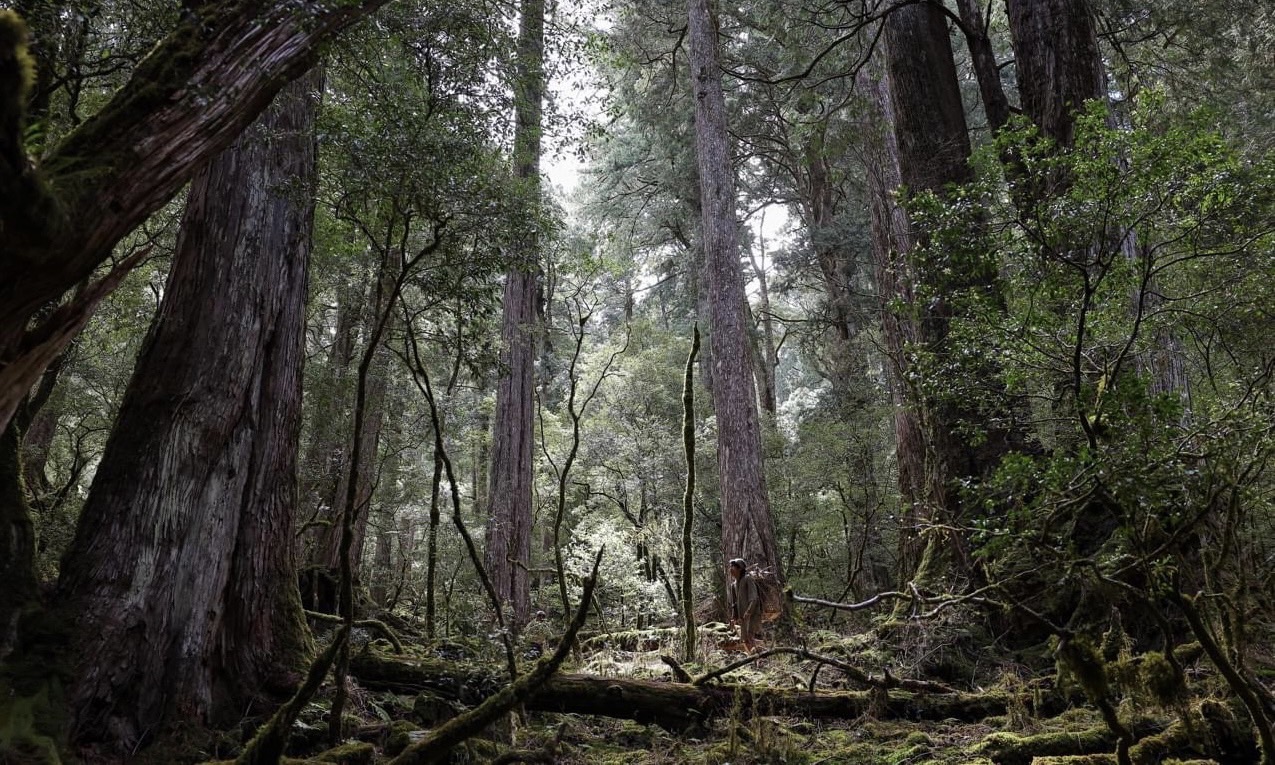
(628, 701)
(408, 381)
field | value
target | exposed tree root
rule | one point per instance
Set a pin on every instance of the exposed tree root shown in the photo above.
(267, 746)
(367, 624)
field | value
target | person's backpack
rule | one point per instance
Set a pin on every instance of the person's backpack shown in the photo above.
(769, 591)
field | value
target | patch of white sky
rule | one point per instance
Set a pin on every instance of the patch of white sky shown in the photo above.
(579, 99)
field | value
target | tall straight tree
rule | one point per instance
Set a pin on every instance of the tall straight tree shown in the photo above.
(181, 582)
(508, 548)
(748, 528)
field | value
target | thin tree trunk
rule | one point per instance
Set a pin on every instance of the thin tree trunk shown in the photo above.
(983, 57)
(688, 500)
(768, 355)
(328, 554)
(327, 401)
(180, 583)
(431, 560)
(508, 544)
(17, 542)
(748, 529)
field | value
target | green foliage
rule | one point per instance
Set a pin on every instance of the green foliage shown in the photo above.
(1142, 263)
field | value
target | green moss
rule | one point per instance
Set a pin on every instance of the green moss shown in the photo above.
(16, 86)
(33, 713)
(353, 753)
(401, 735)
(1160, 679)
(20, 733)
(1080, 662)
(1013, 749)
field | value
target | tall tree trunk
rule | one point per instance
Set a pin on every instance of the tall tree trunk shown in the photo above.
(328, 554)
(1058, 61)
(326, 402)
(431, 559)
(923, 145)
(748, 529)
(766, 353)
(688, 501)
(836, 265)
(508, 549)
(180, 582)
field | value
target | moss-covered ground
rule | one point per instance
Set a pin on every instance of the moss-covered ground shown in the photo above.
(1064, 731)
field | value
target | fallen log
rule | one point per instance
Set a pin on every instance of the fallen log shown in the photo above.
(673, 706)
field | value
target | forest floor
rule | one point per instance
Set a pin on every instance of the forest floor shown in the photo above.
(1064, 731)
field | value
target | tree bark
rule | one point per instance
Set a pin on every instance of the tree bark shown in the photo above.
(766, 353)
(983, 58)
(180, 583)
(837, 266)
(1058, 60)
(748, 528)
(327, 555)
(507, 553)
(187, 100)
(17, 541)
(688, 501)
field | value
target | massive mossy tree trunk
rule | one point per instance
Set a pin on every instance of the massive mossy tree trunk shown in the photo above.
(180, 582)
(748, 529)
(508, 544)
(923, 145)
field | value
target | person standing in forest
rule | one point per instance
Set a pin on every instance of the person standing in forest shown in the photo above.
(743, 602)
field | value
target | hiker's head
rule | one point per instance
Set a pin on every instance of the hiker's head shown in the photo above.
(737, 568)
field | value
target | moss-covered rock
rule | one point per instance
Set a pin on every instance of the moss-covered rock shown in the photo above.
(352, 753)
(432, 710)
(401, 734)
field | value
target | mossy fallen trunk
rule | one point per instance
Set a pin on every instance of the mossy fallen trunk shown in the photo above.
(673, 706)
(1013, 749)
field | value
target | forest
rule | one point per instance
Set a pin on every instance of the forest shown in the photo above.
(637, 381)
